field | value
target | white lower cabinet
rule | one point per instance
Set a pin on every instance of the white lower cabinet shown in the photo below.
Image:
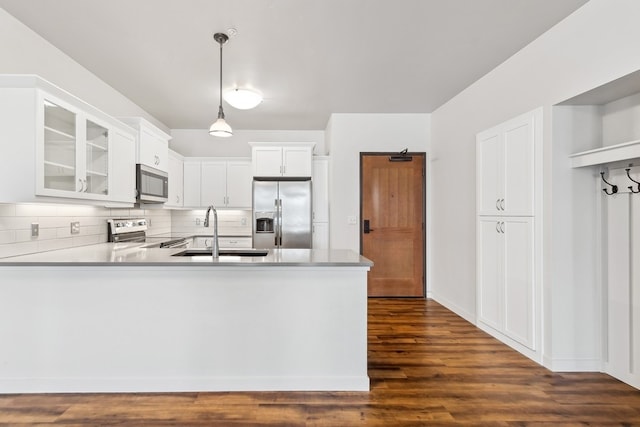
(506, 292)
(223, 242)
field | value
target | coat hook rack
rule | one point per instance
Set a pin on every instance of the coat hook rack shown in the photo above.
(614, 188)
(634, 181)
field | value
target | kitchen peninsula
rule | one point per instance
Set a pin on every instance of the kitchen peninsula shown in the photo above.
(123, 318)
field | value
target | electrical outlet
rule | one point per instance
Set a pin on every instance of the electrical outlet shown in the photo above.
(243, 221)
(75, 227)
(35, 229)
(197, 221)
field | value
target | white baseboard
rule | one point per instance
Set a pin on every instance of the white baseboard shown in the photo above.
(469, 317)
(572, 365)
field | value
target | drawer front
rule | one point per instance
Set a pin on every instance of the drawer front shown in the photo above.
(223, 242)
(234, 242)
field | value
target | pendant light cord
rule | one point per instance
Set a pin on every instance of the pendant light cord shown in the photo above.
(220, 111)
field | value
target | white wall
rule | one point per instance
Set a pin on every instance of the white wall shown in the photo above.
(25, 52)
(620, 121)
(573, 292)
(351, 134)
(596, 44)
(198, 142)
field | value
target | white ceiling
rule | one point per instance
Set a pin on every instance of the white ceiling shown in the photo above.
(310, 58)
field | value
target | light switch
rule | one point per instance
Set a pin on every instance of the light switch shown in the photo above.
(352, 220)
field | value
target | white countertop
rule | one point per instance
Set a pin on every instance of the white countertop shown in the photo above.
(134, 254)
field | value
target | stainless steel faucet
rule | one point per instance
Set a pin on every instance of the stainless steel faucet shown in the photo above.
(215, 249)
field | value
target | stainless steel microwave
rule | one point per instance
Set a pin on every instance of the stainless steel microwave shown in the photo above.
(152, 185)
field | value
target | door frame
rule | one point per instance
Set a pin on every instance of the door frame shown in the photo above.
(426, 256)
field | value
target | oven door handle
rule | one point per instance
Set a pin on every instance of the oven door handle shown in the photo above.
(174, 245)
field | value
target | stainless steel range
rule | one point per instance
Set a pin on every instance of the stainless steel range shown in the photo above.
(135, 230)
(127, 230)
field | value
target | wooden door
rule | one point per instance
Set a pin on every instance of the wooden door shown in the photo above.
(392, 223)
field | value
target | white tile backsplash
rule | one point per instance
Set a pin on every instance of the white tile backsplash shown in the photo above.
(55, 221)
(231, 222)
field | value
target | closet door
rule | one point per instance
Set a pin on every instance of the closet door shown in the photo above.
(518, 191)
(490, 174)
(518, 280)
(490, 272)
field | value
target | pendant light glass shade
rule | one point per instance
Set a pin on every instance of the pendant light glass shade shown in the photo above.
(242, 98)
(220, 127)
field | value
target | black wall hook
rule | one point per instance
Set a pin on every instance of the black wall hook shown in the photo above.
(614, 188)
(634, 181)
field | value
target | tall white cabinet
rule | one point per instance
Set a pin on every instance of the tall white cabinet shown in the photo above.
(508, 282)
(320, 188)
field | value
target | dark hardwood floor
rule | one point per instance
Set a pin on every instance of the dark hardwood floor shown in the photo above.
(427, 367)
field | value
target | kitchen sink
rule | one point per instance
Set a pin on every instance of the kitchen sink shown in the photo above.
(224, 252)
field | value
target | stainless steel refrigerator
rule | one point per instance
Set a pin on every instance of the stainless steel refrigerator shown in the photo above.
(281, 213)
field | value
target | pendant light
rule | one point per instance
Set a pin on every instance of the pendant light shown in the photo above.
(220, 127)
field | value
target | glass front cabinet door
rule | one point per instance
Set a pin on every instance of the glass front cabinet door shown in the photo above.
(73, 158)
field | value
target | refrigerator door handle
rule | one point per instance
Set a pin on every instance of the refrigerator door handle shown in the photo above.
(280, 222)
(276, 226)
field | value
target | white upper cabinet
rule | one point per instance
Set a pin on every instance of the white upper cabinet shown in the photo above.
(506, 166)
(56, 145)
(192, 179)
(281, 159)
(213, 183)
(152, 143)
(123, 167)
(176, 181)
(218, 182)
(239, 180)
